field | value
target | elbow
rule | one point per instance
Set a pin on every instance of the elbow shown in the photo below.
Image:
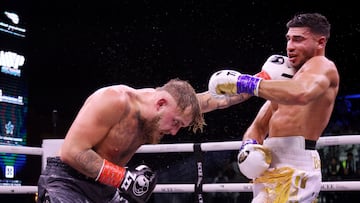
(66, 155)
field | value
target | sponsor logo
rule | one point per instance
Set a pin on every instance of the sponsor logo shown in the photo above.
(10, 63)
(12, 28)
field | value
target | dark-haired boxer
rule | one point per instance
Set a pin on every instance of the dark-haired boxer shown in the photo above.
(278, 149)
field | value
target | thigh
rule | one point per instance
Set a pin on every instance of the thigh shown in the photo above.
(56, 191)
(305, 186)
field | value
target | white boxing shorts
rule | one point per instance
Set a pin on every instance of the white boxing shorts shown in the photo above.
(294, 174)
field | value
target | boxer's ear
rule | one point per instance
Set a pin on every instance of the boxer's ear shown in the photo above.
(322, 42)
(160, 102)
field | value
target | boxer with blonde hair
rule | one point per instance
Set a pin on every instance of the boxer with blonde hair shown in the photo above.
(112, 124)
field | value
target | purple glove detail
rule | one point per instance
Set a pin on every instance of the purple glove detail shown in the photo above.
(248, 84)
(246, 142)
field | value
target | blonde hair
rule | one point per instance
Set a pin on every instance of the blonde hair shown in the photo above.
(185, 96)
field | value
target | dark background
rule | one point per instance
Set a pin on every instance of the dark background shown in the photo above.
(76, 47)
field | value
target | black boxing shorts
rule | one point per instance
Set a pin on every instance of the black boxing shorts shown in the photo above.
(61, 183)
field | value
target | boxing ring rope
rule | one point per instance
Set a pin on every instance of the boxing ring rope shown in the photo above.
(192, 147)
(213, 187)
(235, 145)
(21, 150)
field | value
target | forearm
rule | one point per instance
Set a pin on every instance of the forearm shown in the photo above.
(254, 159)
(91, 164)
(209, 103)
(254, 133)
(87, 162)
(259, 128)
(286, 92)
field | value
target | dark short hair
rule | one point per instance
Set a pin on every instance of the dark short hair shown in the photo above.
(317, 23)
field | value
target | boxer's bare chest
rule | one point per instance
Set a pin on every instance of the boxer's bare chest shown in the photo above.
(123, 139)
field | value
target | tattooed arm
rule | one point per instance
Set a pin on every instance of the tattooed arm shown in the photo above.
(209, 103)
(84, 146)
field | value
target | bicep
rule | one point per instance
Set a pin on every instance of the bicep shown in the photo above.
(90, 126)
(86, 130)
(315, 78)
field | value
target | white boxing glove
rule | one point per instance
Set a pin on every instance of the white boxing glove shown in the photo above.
(253, 159)
(226, 77)
(277, 67)
(231, 82)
